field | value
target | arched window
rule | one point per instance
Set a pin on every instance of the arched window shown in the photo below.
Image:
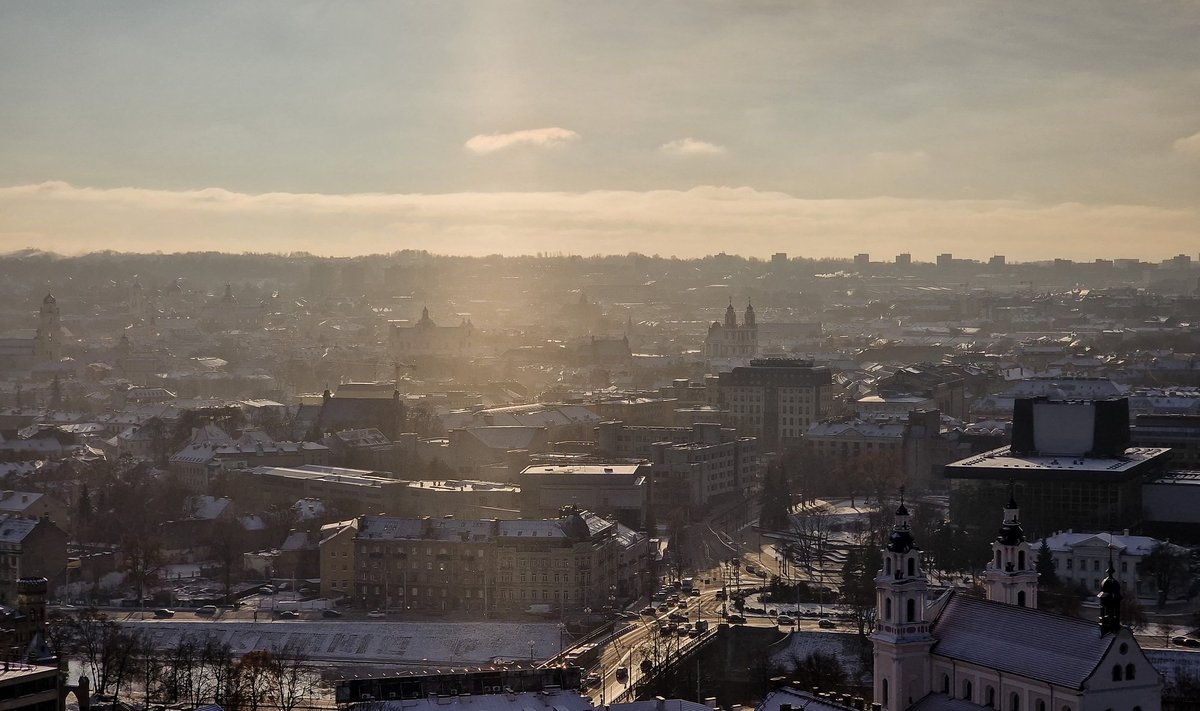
(1020, 560)
(887, 566)
(911, 610)
(1040, 705)
(1014, 702)
(1021, 598)
(997, 558)
(887, 609)
(912, 566)
(1116, 672)
(885, 693)
(945, 683)
(1130, 672)
(989, 697)
(967, 689)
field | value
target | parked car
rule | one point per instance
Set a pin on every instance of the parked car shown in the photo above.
(330, 613)
(1179, 639)
(207, 610)
(288, 615)
(164, 613)
(695, 592)
(785, 620)
(736, 619)
(1192, 642)
(376, 614)
(825, 624)
(647, 610)
(720, 594)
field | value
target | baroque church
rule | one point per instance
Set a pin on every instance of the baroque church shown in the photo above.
(21, 352)
(955, 652)
(731, 340)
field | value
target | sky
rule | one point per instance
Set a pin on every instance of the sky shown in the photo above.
(821, 129)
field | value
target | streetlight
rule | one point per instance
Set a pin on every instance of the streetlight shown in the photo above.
(531, 651)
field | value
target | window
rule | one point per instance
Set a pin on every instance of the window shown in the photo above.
(911, 610)
(1014, 702)
(945, 683)
(1096, 566)
(1040, 705)
(967, 689)
(1130, 672)
(989, 697)
(887, 609)
(885, 693)
(912, 566)
(1020, 598)
(1116, 672)
(1070, 564)
(1020, 560)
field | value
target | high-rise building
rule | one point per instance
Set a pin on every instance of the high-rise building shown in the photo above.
(776, 399)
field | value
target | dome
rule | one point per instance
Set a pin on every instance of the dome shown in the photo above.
(1011, 534)
(900, 541)
(1110, 586)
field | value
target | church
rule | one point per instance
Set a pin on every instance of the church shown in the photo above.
(955, 652)
(21, 352)
(730, 340)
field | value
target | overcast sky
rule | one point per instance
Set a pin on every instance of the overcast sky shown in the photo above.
(1030, 129)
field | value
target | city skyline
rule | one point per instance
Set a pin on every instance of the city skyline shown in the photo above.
(516, 128)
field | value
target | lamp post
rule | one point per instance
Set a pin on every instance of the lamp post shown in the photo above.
(531, 651)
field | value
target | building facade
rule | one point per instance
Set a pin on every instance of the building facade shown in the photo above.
(776, 400)
(956, 651)
(731, 341)
(567, 564)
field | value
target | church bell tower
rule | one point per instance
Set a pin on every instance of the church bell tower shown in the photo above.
(901, 638)
(1011, 576)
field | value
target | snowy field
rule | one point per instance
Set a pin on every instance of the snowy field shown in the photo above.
(421, 643)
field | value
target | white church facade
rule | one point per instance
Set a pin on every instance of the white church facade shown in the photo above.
(961, 653)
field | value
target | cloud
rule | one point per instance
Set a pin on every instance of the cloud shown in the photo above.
(1189, 146)
(691, 147)
(703, 220)
(553, 137)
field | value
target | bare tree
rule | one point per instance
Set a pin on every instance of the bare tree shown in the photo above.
(290, 680)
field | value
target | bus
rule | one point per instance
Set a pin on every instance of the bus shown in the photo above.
(688, 583)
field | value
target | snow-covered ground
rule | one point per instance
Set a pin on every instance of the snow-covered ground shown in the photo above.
(422, 643)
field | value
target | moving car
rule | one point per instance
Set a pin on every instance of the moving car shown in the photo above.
(288, 615)
(785, 620)
(207, 610)
(825, 624)
(330, 613)
(376, 614)
(164, 613)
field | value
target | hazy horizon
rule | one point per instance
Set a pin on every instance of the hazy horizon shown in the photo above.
(817, 129)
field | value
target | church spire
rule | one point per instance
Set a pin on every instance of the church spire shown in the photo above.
(901, 639)
(730, 315)
(1110, 600)
(1011, 576)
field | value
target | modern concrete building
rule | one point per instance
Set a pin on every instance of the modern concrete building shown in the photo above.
(1069, 460)
(621, 490)
(775, 400)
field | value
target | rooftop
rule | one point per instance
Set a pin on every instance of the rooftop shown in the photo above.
(626, 469)
(1003, 459)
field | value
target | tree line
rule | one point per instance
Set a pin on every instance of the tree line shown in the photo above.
(123, 664)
